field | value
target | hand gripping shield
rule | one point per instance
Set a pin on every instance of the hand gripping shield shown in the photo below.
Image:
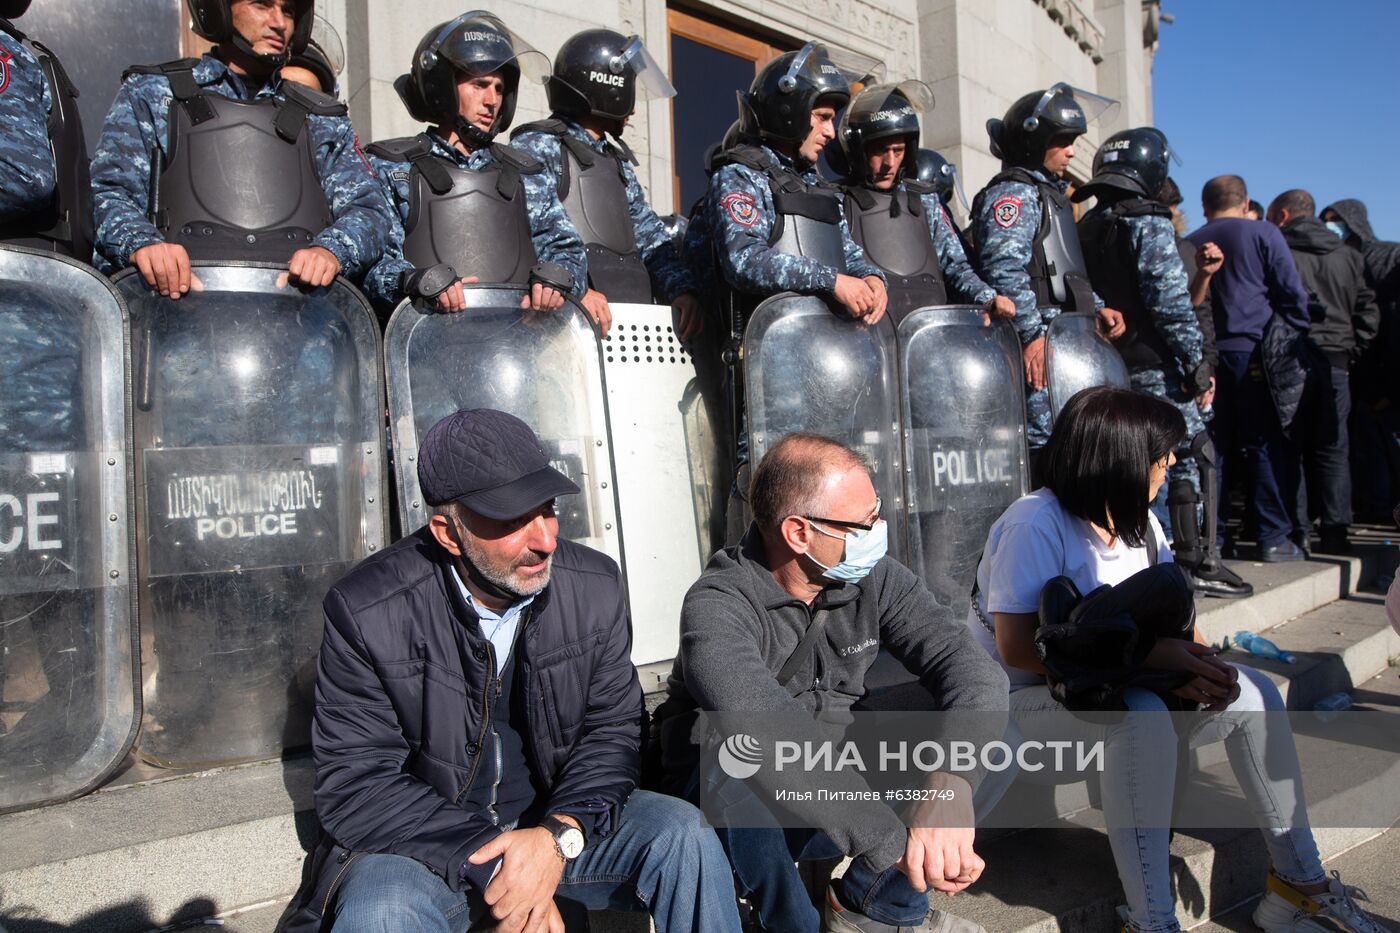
(1078, 357)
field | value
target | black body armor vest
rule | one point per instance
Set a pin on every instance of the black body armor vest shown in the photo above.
(1114, 273)
(240, 181)
(593, 189)
(65, 226)
(893, 229)
(475, 221)
(808, 221)
(1057, 270)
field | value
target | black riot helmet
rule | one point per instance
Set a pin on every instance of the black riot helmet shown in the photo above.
(1032, 122)
(1135, 160)
(13, 9)
(934, 170)
(476, 43)
(881, 111)
(778, 106)
(324, 57)
(213, 20)
(601, 73)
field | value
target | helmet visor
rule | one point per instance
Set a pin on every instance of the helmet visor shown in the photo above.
(1094, 106)
(479, 43)
(325, 37)
(832, 72)
(651, 81)
(867, 104)
(952, 172)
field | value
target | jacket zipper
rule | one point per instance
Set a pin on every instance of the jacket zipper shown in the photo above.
(344, 867)
(496, 749)
(485, 725)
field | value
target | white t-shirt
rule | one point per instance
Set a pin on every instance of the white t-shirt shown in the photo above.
(1034, 541)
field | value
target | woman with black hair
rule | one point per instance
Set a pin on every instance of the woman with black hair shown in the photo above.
(1104, 463)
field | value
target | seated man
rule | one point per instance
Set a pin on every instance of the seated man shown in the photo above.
(470, 209)
(817, 545)
(478, 720)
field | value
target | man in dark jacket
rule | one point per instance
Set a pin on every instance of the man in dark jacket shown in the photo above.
(1375, 427)
(478, 720)
(1257, 283)
(750, 643)
(1345, 322)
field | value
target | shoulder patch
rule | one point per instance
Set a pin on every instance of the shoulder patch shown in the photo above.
(5, 59)
(741, 207)
(1007, 210)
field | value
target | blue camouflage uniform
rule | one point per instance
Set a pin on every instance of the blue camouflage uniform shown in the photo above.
(959, 276)
(671, 277)
(551, 231)
(1165, 294)
(1005, 242)
(136, 133)
(740, 235)
(28, 176)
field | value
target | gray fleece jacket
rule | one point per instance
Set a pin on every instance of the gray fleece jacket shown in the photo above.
(738, 628)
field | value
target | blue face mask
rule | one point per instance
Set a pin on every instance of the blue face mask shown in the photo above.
(863, 551)
(1339, 228)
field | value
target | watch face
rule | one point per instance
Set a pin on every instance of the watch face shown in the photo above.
(570, 843)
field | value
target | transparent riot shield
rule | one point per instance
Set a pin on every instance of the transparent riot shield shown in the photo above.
(69, 704)
(809, 367)
(258, 420)
(664, 407)
(543, 367)
(1078, 357)
(965, 442)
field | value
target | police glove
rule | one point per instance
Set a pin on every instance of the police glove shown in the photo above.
(427, 283)
(552, 275)
(1198, 380)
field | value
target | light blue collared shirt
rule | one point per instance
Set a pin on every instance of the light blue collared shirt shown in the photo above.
(500, 628)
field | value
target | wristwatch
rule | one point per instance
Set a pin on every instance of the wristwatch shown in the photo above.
(568, 839)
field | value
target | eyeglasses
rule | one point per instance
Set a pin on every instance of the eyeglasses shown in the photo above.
(860, 526)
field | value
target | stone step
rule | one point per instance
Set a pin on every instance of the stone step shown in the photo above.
(1284, 591)
(1062, 878)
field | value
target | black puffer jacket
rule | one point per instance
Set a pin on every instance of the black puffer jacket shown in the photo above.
(403, 704)
(1377, 376)
(1345, 319)
(1382, 256)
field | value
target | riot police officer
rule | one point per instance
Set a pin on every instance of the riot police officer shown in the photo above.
(1133, 261)
(162, 198)
(470, 206)
(898, 220)
(599, 77)
(45, 196)
(1023, 228)
(775, 225)
(933, 169)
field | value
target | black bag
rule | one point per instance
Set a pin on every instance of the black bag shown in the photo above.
(1094, 646)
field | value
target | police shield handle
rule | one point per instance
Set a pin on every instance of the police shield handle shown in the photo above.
(1112, 323)
(596, 304)
(1033, 355)
(166, 268)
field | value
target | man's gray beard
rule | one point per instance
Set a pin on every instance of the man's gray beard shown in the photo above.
(504, 578)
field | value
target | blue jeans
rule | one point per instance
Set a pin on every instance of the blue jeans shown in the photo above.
(1139, 778)
(662, 858)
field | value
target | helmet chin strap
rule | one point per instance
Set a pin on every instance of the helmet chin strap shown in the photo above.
(272, 61)
(470, 133)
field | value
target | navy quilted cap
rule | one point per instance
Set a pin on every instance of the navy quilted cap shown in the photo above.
(489, 461)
